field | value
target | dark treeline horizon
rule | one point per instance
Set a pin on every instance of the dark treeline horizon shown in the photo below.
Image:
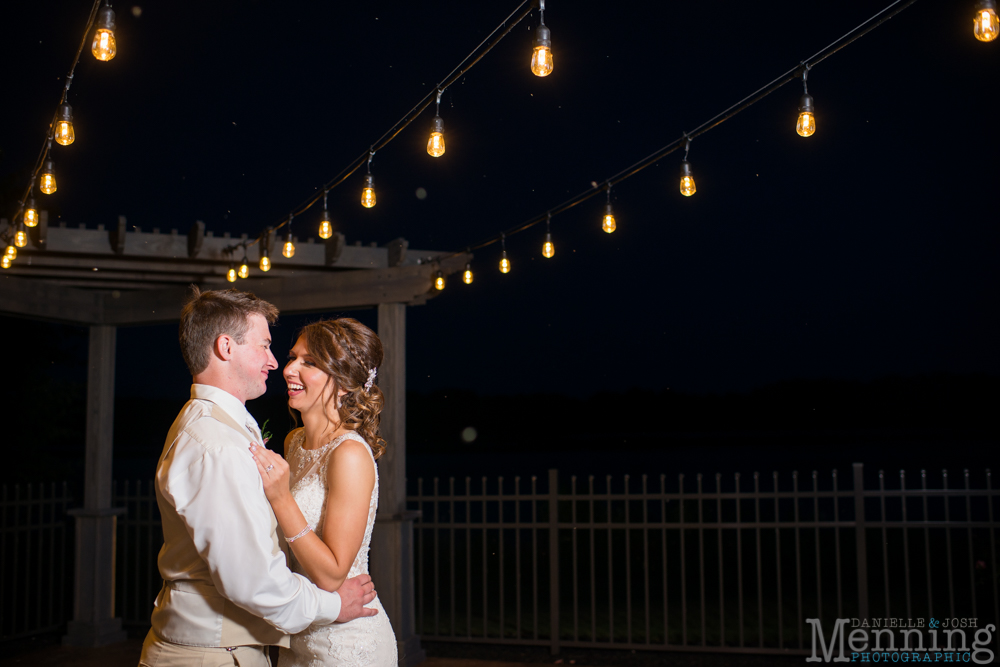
(922, 420)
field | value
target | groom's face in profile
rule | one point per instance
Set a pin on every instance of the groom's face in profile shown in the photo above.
(253, 359)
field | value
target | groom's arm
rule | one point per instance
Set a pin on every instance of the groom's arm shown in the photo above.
(220, 498)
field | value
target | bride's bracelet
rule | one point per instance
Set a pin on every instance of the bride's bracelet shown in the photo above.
(301, 533)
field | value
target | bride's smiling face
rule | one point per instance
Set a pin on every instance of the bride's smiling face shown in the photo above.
(308, 386)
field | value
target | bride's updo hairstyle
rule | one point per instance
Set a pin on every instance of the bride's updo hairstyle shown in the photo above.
(347, 351)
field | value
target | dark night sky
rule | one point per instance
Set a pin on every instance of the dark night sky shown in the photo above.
(865, 251)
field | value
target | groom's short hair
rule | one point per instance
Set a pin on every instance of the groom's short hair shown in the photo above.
(208, 315)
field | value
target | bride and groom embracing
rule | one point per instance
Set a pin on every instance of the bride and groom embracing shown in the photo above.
(227, 503)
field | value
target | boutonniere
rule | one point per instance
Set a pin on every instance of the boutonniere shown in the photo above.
(264, 433)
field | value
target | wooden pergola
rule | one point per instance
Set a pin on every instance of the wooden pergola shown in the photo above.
(124, 276)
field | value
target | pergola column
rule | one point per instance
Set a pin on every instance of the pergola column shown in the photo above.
(391, 553)
(94, 622)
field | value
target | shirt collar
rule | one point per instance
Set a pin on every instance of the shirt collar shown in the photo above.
(232, 405)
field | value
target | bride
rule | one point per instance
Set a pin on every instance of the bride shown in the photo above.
(325, 491)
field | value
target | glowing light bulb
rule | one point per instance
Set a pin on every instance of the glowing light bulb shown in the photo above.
(985, 25)
(368, 192)
(608, 222)
(325, 227)
(504, 263)
(548, 248)
(64, 133)
(48, 180)
(435, 145)
(439, 281)
(31, 214)
(231, 274)
(687, 180)
(10, 252)
(806, 124)
(467, 275)
(265, 262)
(541, 56)
(20, 238)
(6, 261)
(244, 268)
(289, 249)
(103, 46)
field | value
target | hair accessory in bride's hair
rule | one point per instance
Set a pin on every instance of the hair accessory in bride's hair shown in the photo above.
(372, 374)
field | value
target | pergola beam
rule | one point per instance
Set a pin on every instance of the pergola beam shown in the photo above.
(41, 300)
(316, 292)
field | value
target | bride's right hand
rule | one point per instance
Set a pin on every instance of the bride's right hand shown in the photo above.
(273, 472)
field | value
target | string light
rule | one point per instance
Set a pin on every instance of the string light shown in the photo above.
(64, 133)
(325, 227)
(548, 248)
(541, 55)
(435, 144)
(103, 46)
(244, 271)
(61, 129)
(608, 223)
(31, 213)
(687, 179)
(6, 261)
(47, 184)
(20, 236)
(504, 262)
(523, 9)
(985, 25)
(289, 248)
(439, 281)
(11, 252)
(368, 191)
(806, 124)
(467, 274)
(231, 273)
(265, 260)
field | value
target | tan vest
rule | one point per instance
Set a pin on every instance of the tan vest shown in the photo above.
(197, 605)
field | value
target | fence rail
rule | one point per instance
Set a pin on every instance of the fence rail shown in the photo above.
(36, 559)
(737, 568)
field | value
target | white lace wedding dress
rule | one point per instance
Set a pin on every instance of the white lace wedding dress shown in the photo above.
(364, 641)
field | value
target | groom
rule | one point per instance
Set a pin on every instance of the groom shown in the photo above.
(227, 593)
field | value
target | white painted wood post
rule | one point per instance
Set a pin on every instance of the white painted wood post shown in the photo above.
(94, 622)
(391, 556)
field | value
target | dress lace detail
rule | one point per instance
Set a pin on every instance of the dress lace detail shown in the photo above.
(363, 641)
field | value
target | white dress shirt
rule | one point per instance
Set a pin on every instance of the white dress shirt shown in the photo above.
(219, 535)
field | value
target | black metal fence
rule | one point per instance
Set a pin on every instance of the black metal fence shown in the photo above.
(643, 564)
(36, 559)
(704, 564)
(140, 536)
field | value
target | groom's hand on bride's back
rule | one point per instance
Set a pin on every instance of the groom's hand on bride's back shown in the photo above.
(354, 595)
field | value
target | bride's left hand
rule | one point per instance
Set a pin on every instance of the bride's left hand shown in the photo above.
(273, 472)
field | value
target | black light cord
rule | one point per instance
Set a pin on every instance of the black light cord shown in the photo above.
(684, 141)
